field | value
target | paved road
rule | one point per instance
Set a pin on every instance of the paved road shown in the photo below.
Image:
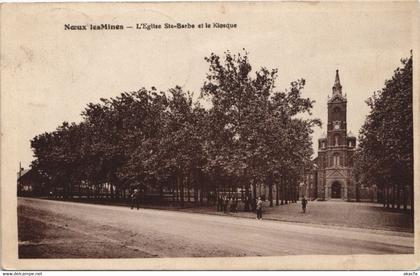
(53, 229)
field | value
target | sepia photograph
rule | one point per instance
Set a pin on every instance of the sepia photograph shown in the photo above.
(209, 131)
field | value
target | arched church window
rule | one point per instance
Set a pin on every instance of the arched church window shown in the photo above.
(323, 144)
(336, 159)
(336, 140)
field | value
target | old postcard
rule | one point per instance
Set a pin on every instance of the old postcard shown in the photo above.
(210, 135)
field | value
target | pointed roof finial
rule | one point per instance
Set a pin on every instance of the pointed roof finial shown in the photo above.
(337, 85)
(337, 77)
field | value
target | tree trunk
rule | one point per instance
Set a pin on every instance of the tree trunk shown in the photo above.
(195, 195)
(65, 191)
(160, 191)
(393, 196)
(247, 198)
(277, 193)
(293, 191)
(282, 190)
(286, 191)
(188, 185)
(383, 197)
(181, 189)
(71, 190)
(172, 188)
(254, 192)
(112, 190)
(201, 179)
(270, 189)
(177, 188)
(95, 191)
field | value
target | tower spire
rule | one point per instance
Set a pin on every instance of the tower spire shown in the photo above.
(337, 85)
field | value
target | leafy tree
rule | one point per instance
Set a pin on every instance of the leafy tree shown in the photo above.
(385, 155)
(165, 142)
(253, 124)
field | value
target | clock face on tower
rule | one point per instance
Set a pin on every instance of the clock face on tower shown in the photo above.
(336, 125)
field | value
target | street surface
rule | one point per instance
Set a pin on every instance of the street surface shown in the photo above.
(54, 229)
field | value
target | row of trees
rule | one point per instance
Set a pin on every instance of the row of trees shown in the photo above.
(167, 142)
(385, 153)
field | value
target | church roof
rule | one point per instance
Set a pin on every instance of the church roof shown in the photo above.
(337, 95)
(337, 98)
(22, 172)
(337, 85)
(350, 134)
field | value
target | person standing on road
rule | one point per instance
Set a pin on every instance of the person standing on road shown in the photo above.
(304, 203)
(231, 204)
(132, 199)
(138, 199)
(259, 208)
(246, 204)
(135, 199)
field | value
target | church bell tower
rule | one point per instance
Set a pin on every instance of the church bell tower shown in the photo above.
(337, 116)
(336, 150)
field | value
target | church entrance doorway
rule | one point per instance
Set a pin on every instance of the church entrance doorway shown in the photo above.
(336, 190)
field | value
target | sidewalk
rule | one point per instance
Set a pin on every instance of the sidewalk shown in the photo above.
(334, 213)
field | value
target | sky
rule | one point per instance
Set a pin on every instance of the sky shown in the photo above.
(52, 74)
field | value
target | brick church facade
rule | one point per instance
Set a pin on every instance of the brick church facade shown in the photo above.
(332, 174)
(336, 150)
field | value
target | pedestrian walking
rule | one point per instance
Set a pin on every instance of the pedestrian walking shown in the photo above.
(135, 199)
(234, 205)
(132, 200)
(225, 204)
(304, 203)
(246, 204)
(259, 208)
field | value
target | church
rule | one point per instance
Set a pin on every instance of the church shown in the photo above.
(332, 173)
